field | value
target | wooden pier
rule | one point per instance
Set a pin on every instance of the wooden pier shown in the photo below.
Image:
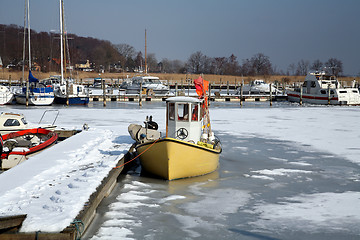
(9, 226)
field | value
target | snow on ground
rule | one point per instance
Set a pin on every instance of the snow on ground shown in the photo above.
(53, 186)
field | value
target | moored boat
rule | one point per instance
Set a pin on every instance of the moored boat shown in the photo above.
(13, 122)
(150, 84)
(189, 148)
(6, 95)
(19, 146)
(324, 88)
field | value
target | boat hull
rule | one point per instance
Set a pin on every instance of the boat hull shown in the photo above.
(171, 159)
(72, 100)
(352, 99)
(35, 100)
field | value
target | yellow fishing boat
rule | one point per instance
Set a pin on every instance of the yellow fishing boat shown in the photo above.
(189, 149)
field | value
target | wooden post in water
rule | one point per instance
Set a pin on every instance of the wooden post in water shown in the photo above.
(209, 94)
(176, 88)
(241, 94)
(270, 94)
(329, 97)
(188, 83)
(140, 95)
(104, 91)
(227, 88)
(301, 93)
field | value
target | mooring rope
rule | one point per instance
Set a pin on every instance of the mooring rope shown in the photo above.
(137, 155)
(78, 225)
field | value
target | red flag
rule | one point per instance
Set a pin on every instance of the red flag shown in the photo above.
(201, 86)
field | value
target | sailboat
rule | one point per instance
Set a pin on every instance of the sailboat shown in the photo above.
(34, 93)
(67, 92)
(189, 148)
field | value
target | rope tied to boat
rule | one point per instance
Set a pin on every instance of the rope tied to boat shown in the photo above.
(79, 226)
(137, 155)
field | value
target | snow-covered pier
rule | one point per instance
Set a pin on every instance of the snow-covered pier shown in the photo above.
(59, 189)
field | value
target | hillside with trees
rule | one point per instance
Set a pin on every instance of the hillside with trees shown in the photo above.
(107, 57)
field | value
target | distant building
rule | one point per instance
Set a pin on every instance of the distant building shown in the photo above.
(84, 66)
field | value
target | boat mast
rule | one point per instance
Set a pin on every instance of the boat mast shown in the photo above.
(61, 44)
(27, 82)
(24, 46)
(62, 50)
(145, 54)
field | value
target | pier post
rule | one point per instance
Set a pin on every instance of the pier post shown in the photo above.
(209, 94)
(301, 93)
(227, 88)
(329, 97)
(168, 84)
(176, 88)
(270, 85)
(188, 85)
(241, 94)
(104, 91)
(140, 95)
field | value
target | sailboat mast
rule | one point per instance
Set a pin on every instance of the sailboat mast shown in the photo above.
(61, 44)
(28, 15)
(145, 54)
(64, 34)
(24, 46)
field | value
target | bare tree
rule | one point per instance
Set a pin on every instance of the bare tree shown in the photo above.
(291, 69)
(261, 64)
(335, 65)
(219, 65)
(152, 63)
(302, 67)
(126, 50)
(195, 62)
(231, 66)
(317, 65)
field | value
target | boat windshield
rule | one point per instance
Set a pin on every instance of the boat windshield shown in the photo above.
(24, 121)
(183, 111)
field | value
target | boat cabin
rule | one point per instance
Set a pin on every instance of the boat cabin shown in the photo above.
(10, 122)
(184, 118)
(319, 81)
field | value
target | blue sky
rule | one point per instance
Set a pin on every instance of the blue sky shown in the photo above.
(285, 30)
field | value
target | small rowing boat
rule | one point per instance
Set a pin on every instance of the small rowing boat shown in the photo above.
(19, 146)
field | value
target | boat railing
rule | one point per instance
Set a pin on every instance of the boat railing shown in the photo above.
(54, 110)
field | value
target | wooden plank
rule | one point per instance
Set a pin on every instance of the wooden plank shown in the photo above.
(11, 222)
(38, 235)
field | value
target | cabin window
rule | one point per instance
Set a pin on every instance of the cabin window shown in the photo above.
(355, 91)
(344, 91)
(171, 111)
(195, 112)
(323, 91)
(313, 84)
(332, 92)
(183, 112)
(304, 84)
(11, 122)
